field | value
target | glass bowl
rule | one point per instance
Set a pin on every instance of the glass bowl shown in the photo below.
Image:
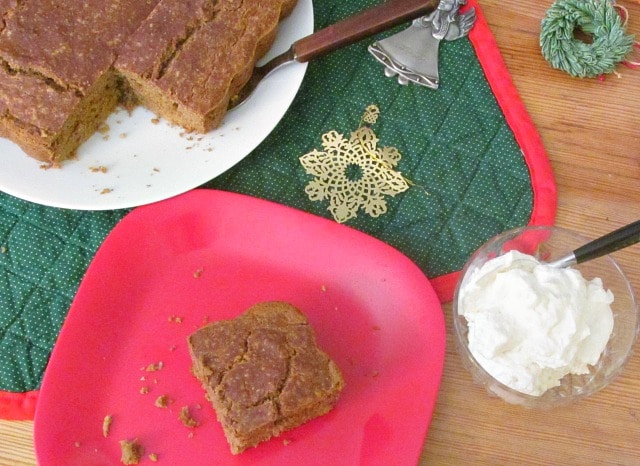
(548, 244)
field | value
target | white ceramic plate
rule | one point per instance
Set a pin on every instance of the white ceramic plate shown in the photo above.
(146, 162)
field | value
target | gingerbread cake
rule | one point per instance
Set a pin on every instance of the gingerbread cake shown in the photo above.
(57, 83)
(62, 65)
(264, 373)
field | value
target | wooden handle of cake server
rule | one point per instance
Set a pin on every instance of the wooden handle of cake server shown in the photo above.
(359, 26)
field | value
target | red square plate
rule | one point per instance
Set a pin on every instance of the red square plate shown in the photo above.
(169, 267)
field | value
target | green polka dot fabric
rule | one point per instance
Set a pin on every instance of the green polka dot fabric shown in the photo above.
(471, 175)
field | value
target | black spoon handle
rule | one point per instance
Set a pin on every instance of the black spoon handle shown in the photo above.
(611, 242)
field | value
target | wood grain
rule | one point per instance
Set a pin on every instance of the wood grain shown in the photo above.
(590, 130)
(16, 443)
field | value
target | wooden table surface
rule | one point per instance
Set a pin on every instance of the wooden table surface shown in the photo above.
(590, 130)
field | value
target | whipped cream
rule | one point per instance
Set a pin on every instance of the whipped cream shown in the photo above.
(531, 324)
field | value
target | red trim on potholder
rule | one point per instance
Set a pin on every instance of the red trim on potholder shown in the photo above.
(18, 406)
(542, 180)
(21, 406)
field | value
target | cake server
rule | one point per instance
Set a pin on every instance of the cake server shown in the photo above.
(412, 55)
(341, 34)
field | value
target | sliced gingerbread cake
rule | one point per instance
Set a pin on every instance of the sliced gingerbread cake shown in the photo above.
(62, 64)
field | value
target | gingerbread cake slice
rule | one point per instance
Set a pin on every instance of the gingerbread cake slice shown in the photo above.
(264, 373)
(189, 58)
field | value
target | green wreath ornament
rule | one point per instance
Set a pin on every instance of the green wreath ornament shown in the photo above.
(598, 19)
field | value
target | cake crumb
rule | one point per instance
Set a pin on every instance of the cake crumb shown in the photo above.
(106, 191)
(198, 272)
(123, 135)
(172, 348)
(131, 450)
(76, 444)
(3, 249)
(153, 457)
(186, 418)
(154, 367)
(176, 319)
(144, 390)
(286, 442)
(155, 121)
(103, 128)
(163, 401)
(106, 425)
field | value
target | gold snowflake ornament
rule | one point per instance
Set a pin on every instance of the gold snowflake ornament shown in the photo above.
(354, 173)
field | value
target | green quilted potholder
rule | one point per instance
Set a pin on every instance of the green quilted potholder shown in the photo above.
(476, 160)
(471, 177)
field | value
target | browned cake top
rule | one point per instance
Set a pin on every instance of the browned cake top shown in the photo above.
(264, 365)
(159, 38)
(193, 57)
(42, 107)
(71, 43)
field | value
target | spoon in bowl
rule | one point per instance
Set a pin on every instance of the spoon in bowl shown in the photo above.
(611, 242)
